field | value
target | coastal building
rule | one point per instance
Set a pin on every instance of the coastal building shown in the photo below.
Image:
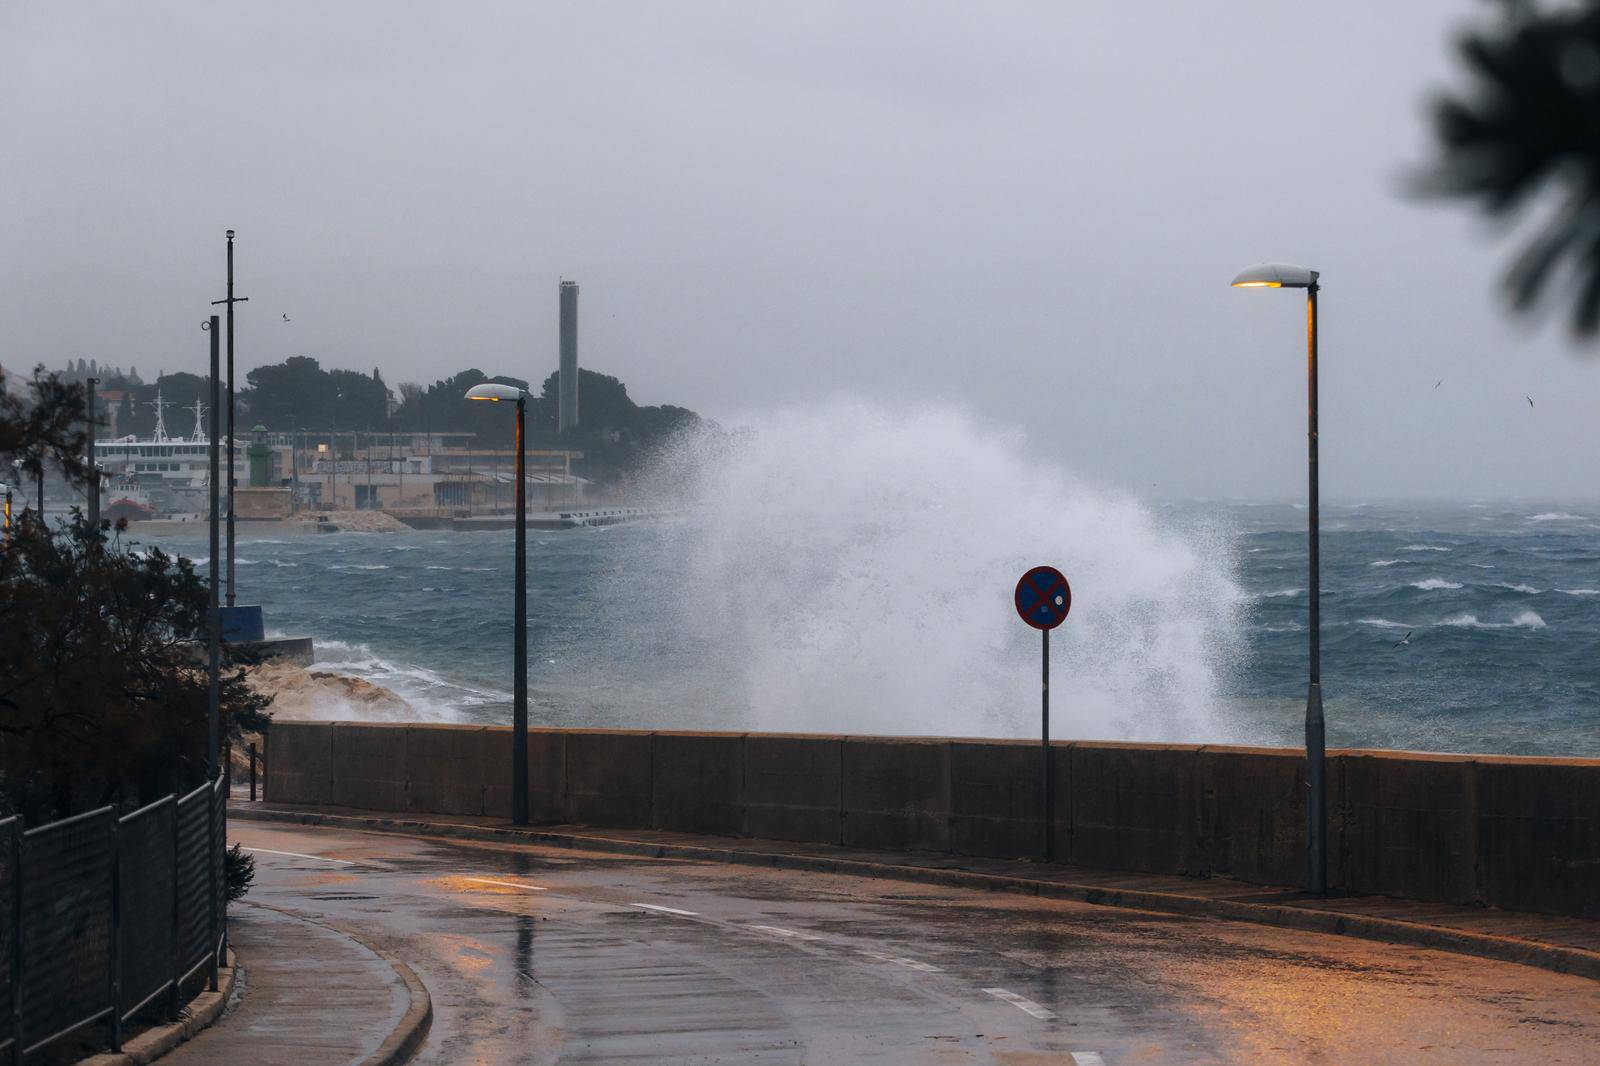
(417, 473)
(278, 474)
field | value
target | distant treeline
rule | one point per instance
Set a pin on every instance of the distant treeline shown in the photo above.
(614, 433)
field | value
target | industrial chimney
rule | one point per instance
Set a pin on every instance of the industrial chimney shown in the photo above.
(567, 383)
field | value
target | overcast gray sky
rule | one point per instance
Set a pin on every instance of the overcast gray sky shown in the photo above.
(1030, 209)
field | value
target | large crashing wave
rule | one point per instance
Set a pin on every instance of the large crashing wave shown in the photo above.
(850, 568)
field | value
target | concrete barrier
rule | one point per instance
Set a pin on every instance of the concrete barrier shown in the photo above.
(300, 762)
(366, 756)
(1539, 834)
(446, 768)
(547, 774)
(995, 791)
(697, 782)
(609, 777)
(1253, 814)
(793, 787)
(1137, 807)
(1500, 831)
(1407, 825)
(896, 793)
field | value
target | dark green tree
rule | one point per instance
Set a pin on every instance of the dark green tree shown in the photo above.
(1528, 124)
(101, 696)
(46, 429)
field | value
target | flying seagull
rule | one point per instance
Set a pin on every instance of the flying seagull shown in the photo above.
(286, 318)
(1404, 641)
(1529, 399)
(1436, 384)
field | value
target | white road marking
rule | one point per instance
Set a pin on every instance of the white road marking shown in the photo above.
(666, 910)
(298, 855)
(778, 930)
(1088, 1058)
(921, 967)
(506, 884)
(1027, 1006)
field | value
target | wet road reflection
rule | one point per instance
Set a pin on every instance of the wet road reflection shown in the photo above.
(541, 955)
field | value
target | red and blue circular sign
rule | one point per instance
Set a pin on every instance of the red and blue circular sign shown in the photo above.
(1043, 597)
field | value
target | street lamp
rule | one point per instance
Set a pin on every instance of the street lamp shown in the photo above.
(1283, 276)
(519, 694)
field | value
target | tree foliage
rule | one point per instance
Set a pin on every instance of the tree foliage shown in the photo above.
(1528, 122)
(47, 429)
(102, 694)
(298, 392)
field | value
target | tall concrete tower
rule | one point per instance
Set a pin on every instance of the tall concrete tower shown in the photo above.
(567, 384)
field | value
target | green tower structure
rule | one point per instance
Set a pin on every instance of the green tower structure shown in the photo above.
(260, 457)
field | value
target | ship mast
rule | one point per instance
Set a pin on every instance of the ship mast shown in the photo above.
(199, 425)
(161, 425)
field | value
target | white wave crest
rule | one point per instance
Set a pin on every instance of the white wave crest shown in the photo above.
(1281, 593)
(434, 696)
(359, 566)
(1580, 592)
(1386, 562)
(1434, 584)
(1384, 623)
(1525, 620)
(1528, 589)
(1425, 548)
(1555, 516)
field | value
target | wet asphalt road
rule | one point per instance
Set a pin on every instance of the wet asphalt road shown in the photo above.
(537, 954)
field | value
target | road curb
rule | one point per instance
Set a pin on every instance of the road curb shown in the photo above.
(198, 1014)
(1554, 957)
(406, 1037)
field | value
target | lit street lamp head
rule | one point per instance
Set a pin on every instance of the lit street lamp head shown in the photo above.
(1275, 276)
(491, 391)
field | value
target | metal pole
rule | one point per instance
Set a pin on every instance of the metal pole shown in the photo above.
(213, 617)
(174, 996)
(519, 705)
(40, 482)
(211, 887)
(252, 773)
(94, 471)
(15, 859)
(230, 422)
(1046, 775)
(1316, 797)
(114, 984)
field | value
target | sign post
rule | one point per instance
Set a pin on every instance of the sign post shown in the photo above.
(1043, 599)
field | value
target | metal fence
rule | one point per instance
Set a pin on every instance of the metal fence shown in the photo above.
(102, 916)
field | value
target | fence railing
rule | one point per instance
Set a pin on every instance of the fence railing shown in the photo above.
(101, 916)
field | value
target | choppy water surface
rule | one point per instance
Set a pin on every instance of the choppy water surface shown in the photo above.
(678, 624)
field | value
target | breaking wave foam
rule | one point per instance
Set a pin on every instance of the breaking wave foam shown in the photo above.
(855, 566)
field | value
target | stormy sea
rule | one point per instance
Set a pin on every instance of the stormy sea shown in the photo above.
(1468, 627)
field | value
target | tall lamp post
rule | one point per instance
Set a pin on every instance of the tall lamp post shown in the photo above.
(1283, 276)
(519, 692)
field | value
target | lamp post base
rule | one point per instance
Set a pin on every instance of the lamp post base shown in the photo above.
(1316, 794)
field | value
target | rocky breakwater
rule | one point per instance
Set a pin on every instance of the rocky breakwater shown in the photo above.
(302, 694)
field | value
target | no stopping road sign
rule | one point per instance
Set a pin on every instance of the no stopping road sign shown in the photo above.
(1043, 597)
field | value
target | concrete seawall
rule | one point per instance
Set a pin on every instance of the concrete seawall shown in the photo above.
(1504, 831)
